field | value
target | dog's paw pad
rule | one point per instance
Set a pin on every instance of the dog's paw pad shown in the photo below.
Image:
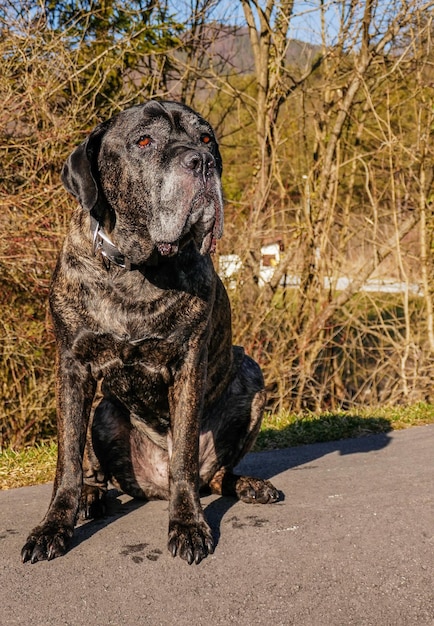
(256, 491)
(192, 542)
(46, 543)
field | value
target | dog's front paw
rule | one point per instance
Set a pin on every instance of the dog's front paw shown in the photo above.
(192, 542)
(256, 490)
(46, 542)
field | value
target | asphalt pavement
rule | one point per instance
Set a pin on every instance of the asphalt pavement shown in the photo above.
(351, 542)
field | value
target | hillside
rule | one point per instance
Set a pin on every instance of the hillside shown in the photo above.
(233, 46)
(228, 49)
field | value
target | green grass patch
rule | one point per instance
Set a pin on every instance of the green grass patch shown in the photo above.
(289, 429)
(37, 464)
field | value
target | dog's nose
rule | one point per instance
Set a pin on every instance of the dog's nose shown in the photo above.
(200, 163)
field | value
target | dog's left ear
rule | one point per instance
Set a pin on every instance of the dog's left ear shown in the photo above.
(79, 173)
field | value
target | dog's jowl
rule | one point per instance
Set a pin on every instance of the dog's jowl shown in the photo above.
(151, 394)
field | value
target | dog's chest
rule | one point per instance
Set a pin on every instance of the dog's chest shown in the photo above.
(137, 324)
(167, 316)
(138, 348)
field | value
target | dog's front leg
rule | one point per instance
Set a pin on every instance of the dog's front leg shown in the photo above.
(75, 391)
(189, 534)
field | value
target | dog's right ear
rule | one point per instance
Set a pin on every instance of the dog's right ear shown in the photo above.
(79, 174)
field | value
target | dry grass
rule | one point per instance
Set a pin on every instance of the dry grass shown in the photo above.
(30, 466)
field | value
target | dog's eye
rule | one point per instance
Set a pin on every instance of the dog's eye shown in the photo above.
(205, 138)
(144, 142)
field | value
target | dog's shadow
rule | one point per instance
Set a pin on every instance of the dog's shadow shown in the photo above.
(271, 463)
(265, 465)
(117, 506)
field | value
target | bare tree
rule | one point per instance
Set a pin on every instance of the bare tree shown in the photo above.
(365, 187)
(268, 28)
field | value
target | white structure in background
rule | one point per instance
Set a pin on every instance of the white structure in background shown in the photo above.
(380, 285)
(230, 265)
(270, 259)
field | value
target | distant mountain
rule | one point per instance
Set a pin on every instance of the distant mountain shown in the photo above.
(231, 48)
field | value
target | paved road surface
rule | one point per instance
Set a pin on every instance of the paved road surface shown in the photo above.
(351, 543)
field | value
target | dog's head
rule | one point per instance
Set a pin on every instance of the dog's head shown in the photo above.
(152, 174)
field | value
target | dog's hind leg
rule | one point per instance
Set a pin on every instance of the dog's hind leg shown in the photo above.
(229, 431)
(94, 490)
(246, 488)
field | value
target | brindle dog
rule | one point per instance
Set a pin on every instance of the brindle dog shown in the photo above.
(151, 393)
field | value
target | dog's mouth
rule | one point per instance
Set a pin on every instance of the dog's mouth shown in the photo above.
(166, 249)
(205, 237)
